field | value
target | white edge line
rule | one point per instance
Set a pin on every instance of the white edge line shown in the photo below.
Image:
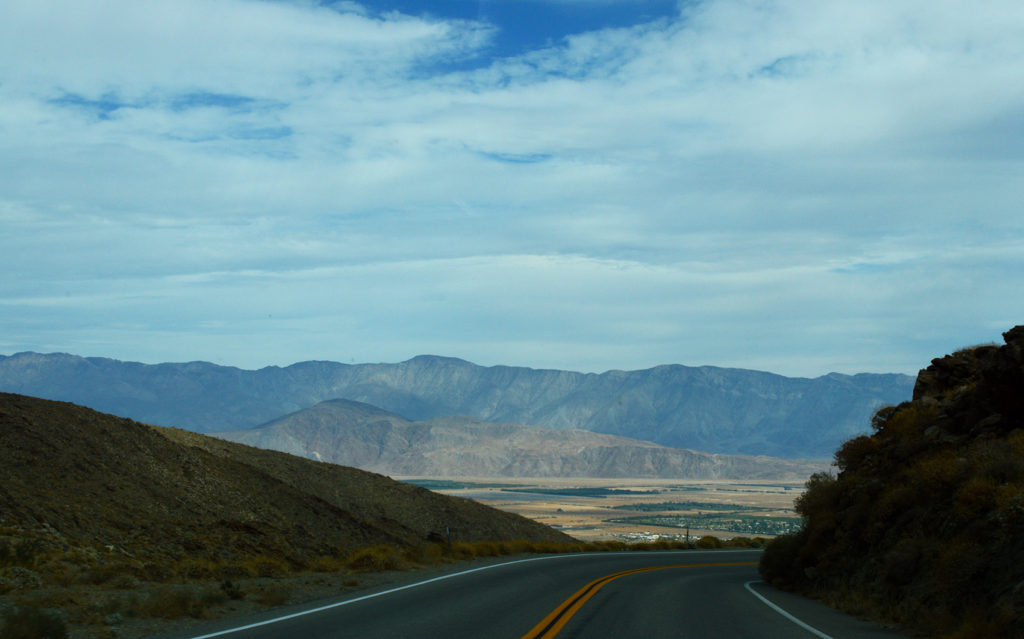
(364, 597)
(420, 583)
(785, 614)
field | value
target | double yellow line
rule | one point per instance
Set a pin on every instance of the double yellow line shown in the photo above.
(550, 626)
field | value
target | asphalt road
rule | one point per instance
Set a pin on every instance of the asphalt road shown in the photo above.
(703, 595)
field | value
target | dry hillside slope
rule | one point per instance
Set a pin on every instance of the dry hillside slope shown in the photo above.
(367, 437)
(154, 495)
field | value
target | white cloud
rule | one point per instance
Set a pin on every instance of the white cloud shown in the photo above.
(781, 183)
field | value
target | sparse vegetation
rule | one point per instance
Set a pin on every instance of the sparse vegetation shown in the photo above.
(922, 524)
(29, 622)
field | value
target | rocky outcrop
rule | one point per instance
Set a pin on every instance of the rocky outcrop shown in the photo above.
(923, 523)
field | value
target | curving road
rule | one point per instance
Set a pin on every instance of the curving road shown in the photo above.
(691, 594)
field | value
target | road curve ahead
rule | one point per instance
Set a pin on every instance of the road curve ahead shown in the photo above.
(691, 594)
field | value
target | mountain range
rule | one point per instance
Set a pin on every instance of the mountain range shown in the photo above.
(706, 408)
(364, 436)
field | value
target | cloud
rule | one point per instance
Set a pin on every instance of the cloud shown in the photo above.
(785, 184)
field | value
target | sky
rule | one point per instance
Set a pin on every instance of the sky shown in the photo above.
(800, 186)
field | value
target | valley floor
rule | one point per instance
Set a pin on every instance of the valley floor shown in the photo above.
(596, 509)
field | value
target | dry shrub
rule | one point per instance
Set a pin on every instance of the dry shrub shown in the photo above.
(607, 546)
(855, 451)
(232, 590)
(429, 554)
(488, 549)
(976, 496)
(377, 558)
(230, 571)
(269, 567)
(556, 547)
(462, 550)
(29, 622)
(709, 541)
(174, 603)
(910, 419)
(116, 574)
(328, 564)
(196, 568)
(1016, 442)
(515, 547)
(156, 571)
(936, 472)
(273, 596)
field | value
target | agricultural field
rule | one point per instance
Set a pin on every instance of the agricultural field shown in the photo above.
(637, 509)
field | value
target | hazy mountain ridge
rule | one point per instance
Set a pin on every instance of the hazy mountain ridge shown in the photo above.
(707, 408)
(356, 434)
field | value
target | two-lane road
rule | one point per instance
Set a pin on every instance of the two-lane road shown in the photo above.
(692, 594)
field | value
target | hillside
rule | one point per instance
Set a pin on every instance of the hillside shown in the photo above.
(711, 409)
(923, 523)
(363, 436)
(162, 496)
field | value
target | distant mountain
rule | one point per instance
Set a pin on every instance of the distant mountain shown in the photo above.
(165, 495)
(356, 434)
(713, 409)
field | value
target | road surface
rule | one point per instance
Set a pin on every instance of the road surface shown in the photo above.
(691, 594)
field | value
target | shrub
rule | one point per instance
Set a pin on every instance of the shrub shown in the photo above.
(173, 603)
(780, 564)
(516, 546)
(976, 496)
(429, 554)
(854, 451)
(23, 552)
(487, 549)
(822, 489)
(328, 564)
(29, 622)
(232, 590)
(234, 571)
(462, 550)
(709, 541)
(195, 568)
(271, 567)
(272, 597)
(377, 558)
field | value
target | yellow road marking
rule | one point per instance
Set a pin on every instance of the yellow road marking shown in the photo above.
(550, 625)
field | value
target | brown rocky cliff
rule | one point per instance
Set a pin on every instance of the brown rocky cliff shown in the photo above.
(977, 389)
(922, 524)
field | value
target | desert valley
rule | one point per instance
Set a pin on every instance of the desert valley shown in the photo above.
(107, 518)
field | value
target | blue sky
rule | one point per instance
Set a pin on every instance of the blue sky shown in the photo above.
(800, 186)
